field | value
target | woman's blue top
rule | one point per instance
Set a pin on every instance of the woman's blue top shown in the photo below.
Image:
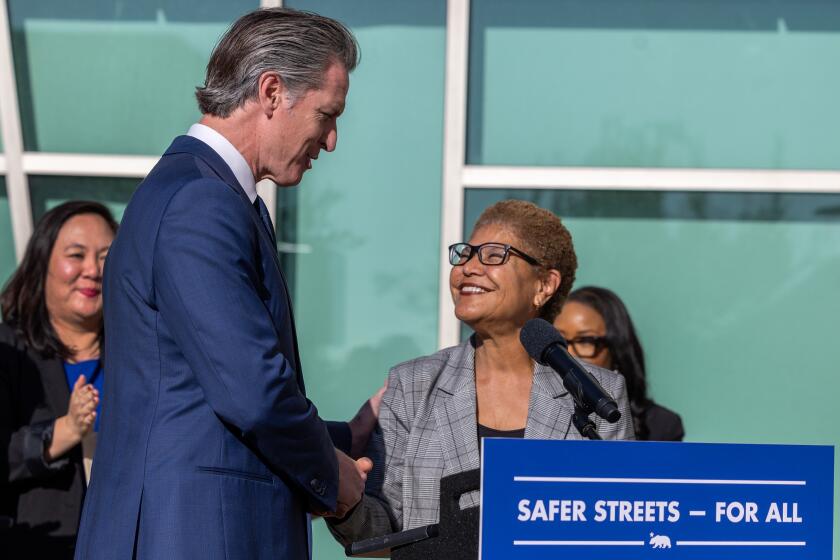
(92, 370)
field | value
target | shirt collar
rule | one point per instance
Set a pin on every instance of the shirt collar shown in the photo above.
(229, 154)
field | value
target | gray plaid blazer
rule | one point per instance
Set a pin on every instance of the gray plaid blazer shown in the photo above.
(429, 431)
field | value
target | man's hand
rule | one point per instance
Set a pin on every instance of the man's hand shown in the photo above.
(365, 421)
(351, 481)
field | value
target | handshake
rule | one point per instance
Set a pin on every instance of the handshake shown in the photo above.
(352, 475)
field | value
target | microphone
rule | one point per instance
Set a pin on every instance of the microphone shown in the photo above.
(547, 347)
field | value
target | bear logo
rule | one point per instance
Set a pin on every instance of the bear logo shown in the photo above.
(659, 541)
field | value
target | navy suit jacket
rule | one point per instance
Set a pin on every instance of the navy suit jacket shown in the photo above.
(208, 447)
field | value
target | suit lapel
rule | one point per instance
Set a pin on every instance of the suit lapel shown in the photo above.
(550, 410)
(455, 412)
(195, 147)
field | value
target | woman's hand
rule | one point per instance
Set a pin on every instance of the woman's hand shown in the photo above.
(73, 426)
(365, 421)
(82, 410)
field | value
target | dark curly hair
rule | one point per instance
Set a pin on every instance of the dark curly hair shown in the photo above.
(544, 237)
(23, 300)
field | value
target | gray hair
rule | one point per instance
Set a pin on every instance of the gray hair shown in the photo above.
(299, 46)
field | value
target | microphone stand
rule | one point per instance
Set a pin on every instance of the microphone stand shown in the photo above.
(583, 423)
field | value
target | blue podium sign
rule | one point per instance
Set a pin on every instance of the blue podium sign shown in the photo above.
(625, 500)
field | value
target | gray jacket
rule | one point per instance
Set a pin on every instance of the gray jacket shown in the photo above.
(429, 431)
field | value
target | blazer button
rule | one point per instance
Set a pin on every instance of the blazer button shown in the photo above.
(319, 486)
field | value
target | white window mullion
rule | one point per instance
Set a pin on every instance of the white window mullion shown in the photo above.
(87, 165)
(17, 187)
(651, 179)
(266, 189)
(454, 150)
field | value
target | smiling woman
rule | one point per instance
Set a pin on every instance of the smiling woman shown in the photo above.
(518, 264)
(50, 377)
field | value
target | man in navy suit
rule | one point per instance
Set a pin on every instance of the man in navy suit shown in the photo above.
(208, 446)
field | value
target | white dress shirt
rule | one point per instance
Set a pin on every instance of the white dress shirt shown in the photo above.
(229, 154)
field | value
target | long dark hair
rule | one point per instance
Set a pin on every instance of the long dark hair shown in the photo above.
(624, 346)
(23, 301)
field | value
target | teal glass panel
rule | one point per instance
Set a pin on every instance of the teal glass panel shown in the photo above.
(714, 84)
(47, 192)
(365, 221)
(112, 77)
(734, 297)
(7, 242)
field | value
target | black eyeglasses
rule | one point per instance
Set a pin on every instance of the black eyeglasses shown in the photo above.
(491, 254)
(587, 346)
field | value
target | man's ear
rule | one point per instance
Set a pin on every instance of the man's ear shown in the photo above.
(271, 92)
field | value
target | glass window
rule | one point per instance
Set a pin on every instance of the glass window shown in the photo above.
(46, 192)
(737, 84)
(734, 296)
(7, 242)
(112, 77)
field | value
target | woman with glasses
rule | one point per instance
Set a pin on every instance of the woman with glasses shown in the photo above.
(518, 264)
(598, 328)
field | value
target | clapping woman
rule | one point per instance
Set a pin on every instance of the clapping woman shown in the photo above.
(50, 378)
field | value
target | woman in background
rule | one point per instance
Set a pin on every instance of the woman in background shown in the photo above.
(598, 328)
(50, 378)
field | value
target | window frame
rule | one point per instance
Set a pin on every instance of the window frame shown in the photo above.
(458, 176)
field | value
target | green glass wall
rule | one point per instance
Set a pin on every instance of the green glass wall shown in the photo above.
(734, 297)
(112, 77)
(366, 218)
(718, 83)
(47, 192)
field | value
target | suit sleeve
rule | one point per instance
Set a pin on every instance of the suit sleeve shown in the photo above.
(207, 290)
(381, 510)
(341, 436)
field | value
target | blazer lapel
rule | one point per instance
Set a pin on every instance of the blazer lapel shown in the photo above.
(54, 380)
(455, 412)
(550, 410)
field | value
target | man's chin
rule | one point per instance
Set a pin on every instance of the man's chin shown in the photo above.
(288, 181)
(291, 179)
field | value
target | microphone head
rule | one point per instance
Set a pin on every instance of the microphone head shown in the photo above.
(537, 335)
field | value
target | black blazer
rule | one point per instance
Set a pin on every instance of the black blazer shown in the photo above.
(657, 423)
(43, 500)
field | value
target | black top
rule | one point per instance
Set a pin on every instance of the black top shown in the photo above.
(657, 423)
(484, 431)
